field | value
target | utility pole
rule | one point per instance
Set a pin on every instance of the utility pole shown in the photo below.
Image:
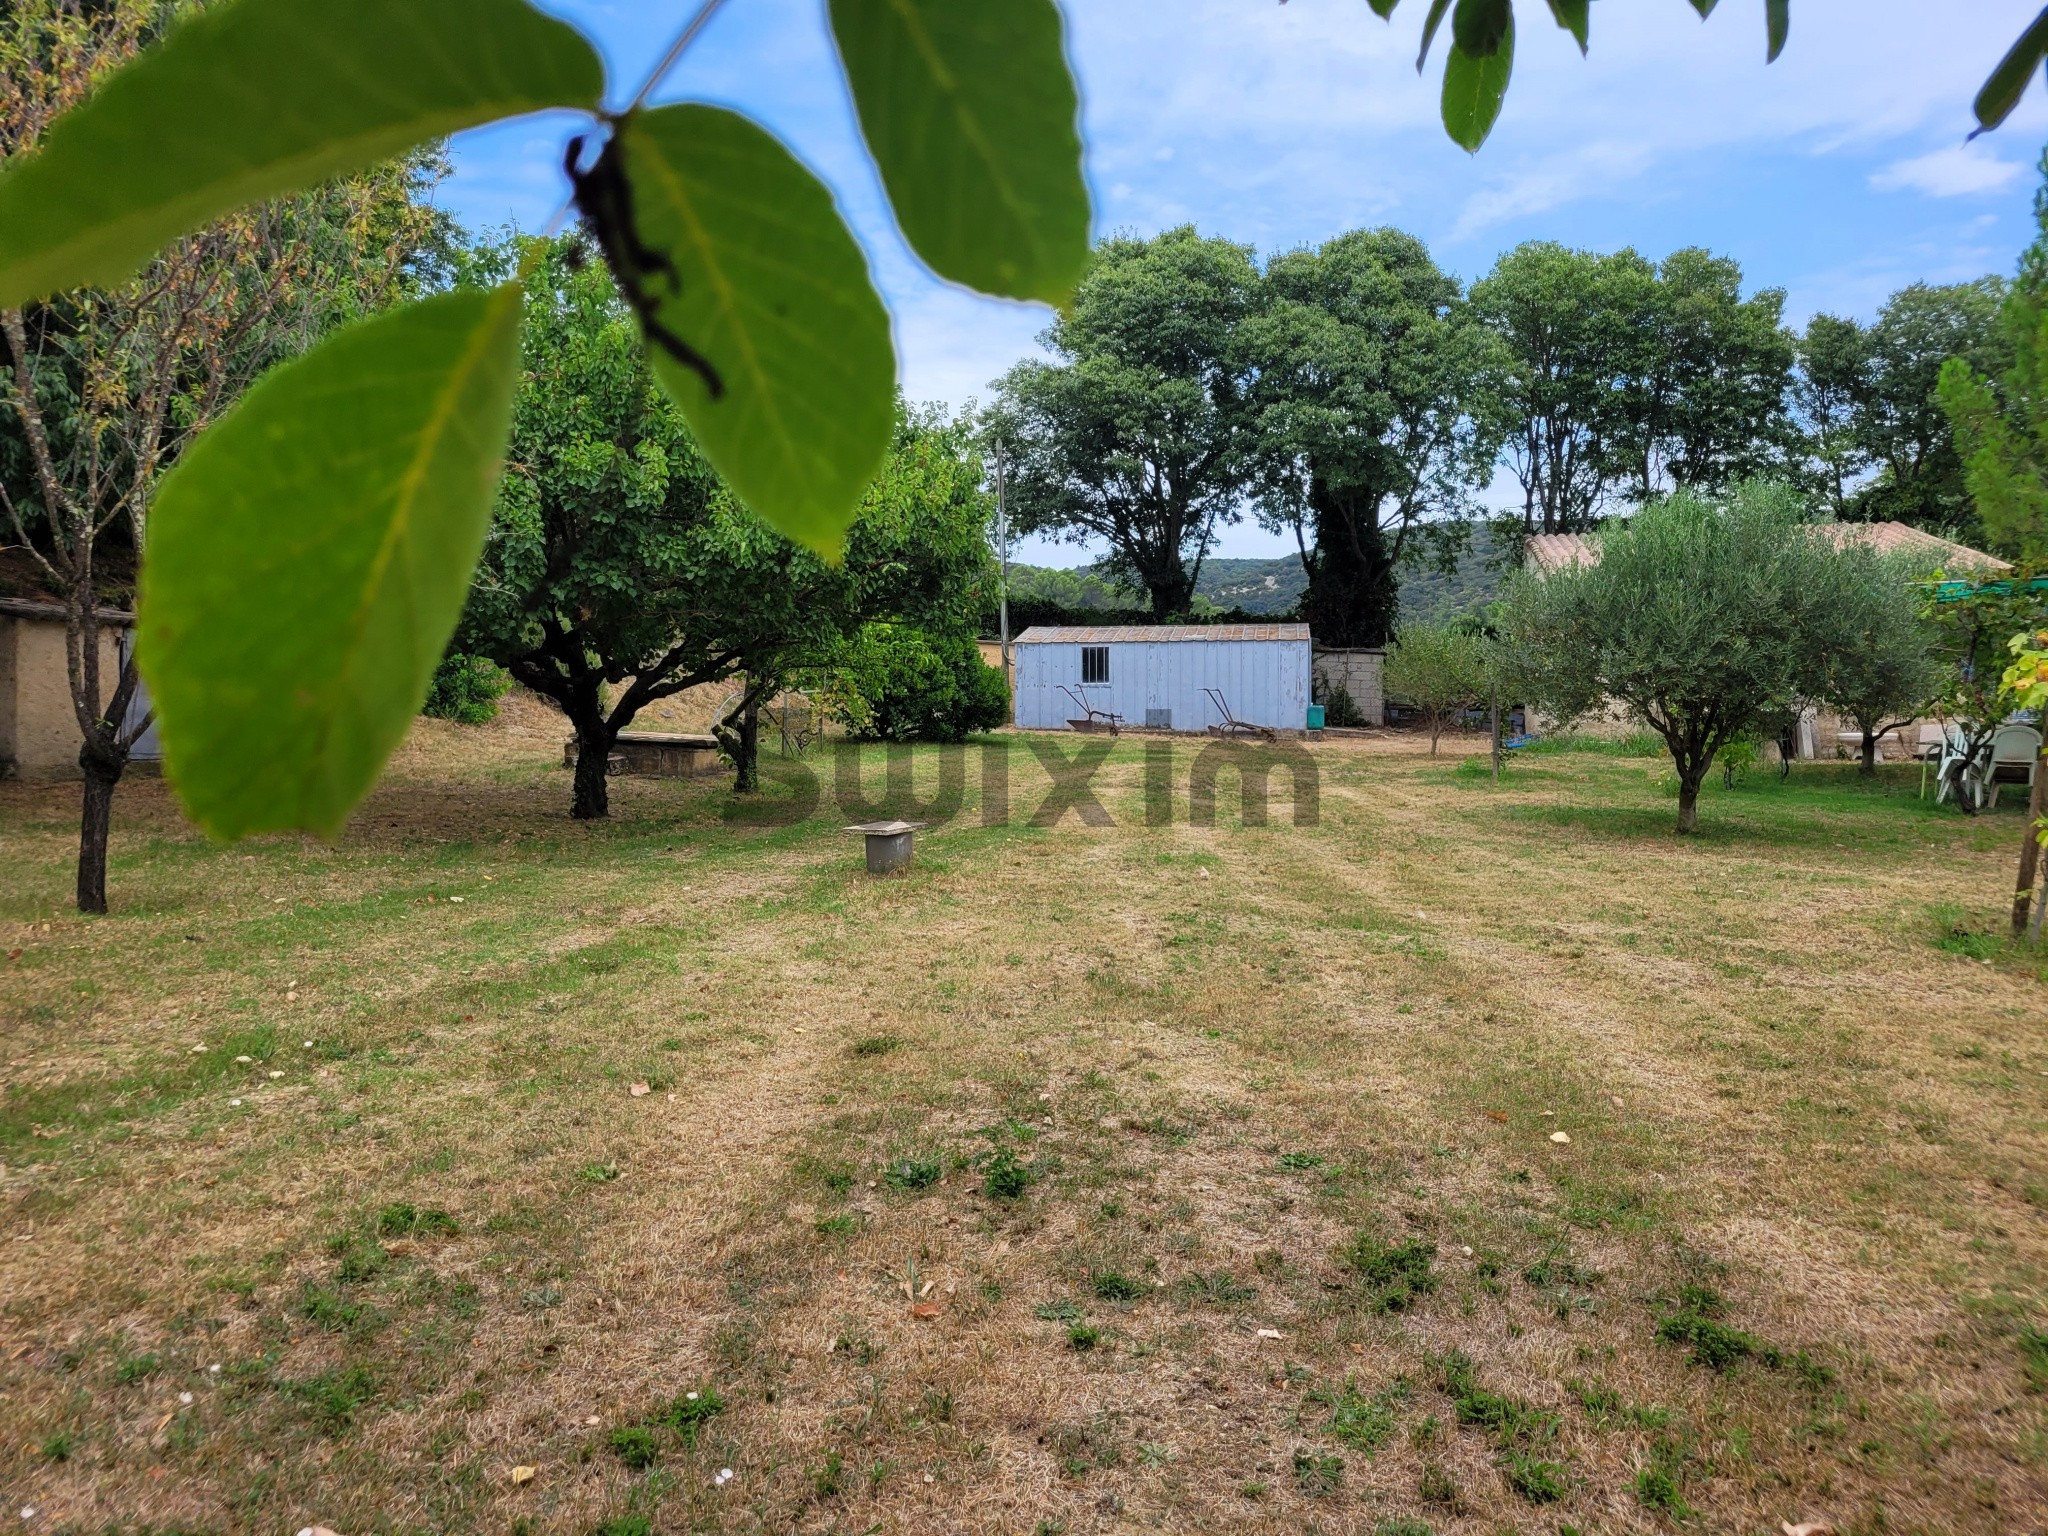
(1003, 591)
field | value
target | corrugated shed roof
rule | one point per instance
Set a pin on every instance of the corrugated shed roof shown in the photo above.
(1547, 552)
(1154, 634)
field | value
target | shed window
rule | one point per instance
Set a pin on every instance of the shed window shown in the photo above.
(1094, 663)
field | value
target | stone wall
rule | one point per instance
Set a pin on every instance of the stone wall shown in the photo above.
(1359, 673)
(39, 735)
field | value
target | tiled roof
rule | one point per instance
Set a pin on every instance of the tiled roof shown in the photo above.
(1903, 539)
(1154, 634)
(1547, 552)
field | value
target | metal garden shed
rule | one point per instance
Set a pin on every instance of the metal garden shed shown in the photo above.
(1158, 676)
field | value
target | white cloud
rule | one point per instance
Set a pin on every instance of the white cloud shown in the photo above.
(1958, 171)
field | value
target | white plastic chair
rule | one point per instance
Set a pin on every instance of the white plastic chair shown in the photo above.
(2013, 747)
(1952, 763)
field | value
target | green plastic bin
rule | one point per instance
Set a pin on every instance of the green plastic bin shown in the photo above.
(1315, 717)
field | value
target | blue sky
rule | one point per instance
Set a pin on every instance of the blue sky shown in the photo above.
(1839, 173)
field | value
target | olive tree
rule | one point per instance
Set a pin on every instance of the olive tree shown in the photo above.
(1437, 670)
(1876, 663)
(1699, 617)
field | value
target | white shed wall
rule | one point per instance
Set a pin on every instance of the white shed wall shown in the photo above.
(1266, 682)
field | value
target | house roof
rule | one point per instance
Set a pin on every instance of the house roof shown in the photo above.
(1155, 634)
(1547, 552)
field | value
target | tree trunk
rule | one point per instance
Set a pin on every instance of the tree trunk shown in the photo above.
(739, 735)
(104, 763)
(2030, 849)
(1352, 593)
(1435, 730)
(593, 768)
(1689, 781)
(1869, 767)
(1173, 594)
(747, 757)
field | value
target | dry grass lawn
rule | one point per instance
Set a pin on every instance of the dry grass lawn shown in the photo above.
(1084, 1179)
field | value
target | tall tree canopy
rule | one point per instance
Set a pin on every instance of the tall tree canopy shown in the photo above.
(2000, 414)
(1831, 382)
(1563, 325)
(1875, 441)
(1358, 428)
(1131, 438)
(1623, 377)
(1704, 374)
(620, 570)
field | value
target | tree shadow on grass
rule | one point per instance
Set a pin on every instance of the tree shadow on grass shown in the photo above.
(1821, 808)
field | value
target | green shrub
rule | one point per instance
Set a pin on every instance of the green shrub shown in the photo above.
(404, 1220)
(1439, 1487)
(334, 1396)
(1340, 709)
(901, 684)
(1696, 1325)
(1083, 1336)
(466, 689)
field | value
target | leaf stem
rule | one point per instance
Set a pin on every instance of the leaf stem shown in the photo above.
(676, 50)
(659, 73)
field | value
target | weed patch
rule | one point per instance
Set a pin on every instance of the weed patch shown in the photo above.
(1366, 1423)
(333, 1397)
(635, 1445)
(1537, 1480)
(1005, 1178)
(1316, 1474)
(1396, 1276)
(2033, 1347)
(911, 1174)
(1108, 1285)
(403, 1220)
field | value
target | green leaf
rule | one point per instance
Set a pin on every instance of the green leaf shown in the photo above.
(971, 113)
(1437, 10)
(2008, 82)
(1572, 16)
(258, 98)
(310, 555)
(770, 288)
(1778, 24)
(1705, 7)
(1479, 25)
(1473, 88)
(1384, 9)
